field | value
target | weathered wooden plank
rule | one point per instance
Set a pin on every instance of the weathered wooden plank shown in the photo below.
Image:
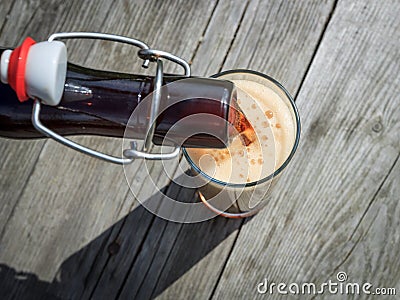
(278, 38)
(377, 239)
(39, 19)
(16, 165)
(5, 14)
(180, 271)
(26, 18)
(108, 279)
(216, 41)
(19, 158)
(184, 268)
(349, 107)
(116, 272)
(125, 236)
(74, 211)
(36, 19)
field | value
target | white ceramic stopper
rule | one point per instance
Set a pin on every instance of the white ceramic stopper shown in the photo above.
(45, 72)
(4, 61)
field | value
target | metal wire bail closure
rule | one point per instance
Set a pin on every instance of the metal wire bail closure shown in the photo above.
(51, 134)
(155, 55)
(133, 153)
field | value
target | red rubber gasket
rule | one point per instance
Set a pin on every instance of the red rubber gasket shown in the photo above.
(17, 67)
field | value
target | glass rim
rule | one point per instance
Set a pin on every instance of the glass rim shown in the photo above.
(288, 159)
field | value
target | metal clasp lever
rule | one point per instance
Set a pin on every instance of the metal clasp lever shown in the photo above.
(147, 55)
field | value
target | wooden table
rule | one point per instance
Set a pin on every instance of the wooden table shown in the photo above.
(70, 228)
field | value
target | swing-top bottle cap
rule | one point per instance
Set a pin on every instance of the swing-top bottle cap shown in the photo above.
(36, 70)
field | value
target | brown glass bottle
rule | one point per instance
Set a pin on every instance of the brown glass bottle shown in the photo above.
(98, 102)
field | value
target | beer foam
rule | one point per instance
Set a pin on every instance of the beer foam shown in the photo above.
(274, 126)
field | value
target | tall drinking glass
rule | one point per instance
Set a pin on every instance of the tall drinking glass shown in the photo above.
(227, 195)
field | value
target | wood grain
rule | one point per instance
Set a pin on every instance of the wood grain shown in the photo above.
(74, 211)
(23, 19)
(159, 247)
(5, 14)
(73, 228)
(279, 38)
(350, 142)
(377, 239)
(175, 272)
(109, 283)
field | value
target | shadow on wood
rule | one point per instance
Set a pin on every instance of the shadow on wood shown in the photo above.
(139, 256)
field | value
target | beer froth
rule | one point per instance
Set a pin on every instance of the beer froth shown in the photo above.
(259, 149)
